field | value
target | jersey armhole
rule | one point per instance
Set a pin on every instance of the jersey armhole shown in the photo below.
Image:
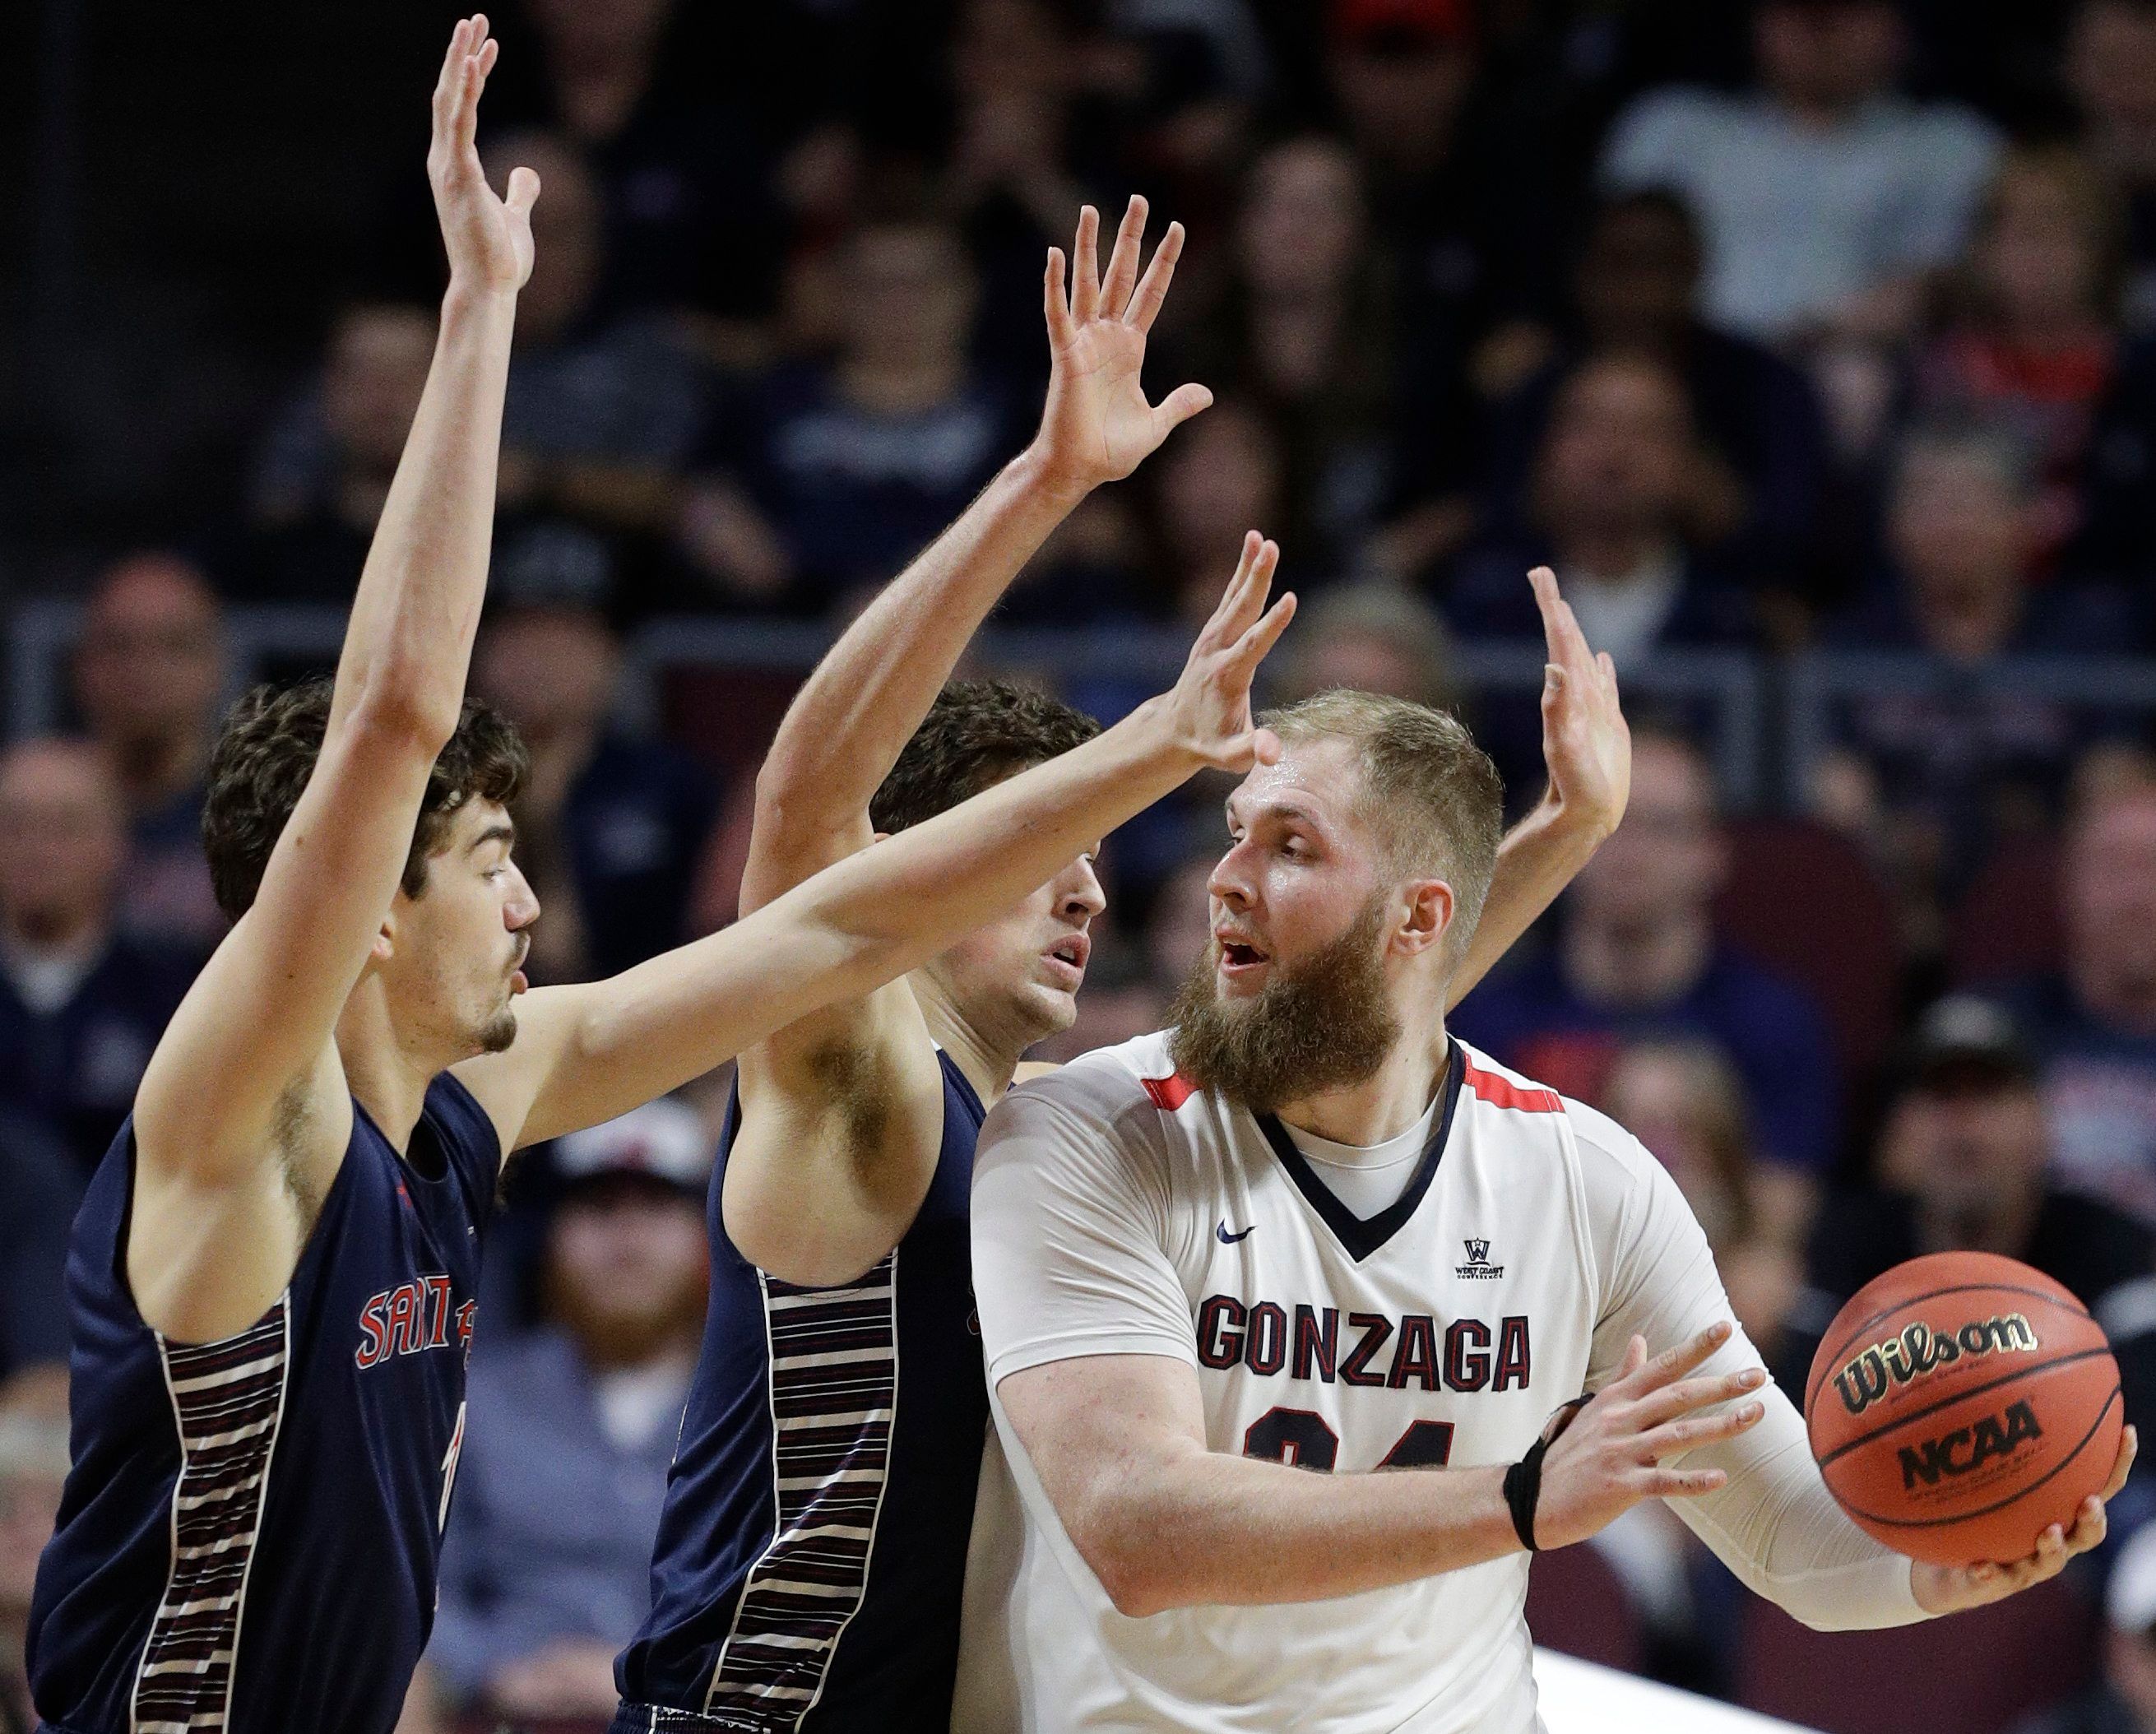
(470, 1140)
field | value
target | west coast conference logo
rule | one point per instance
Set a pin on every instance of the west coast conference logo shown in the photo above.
(1478, 1267)
(1918, 1349)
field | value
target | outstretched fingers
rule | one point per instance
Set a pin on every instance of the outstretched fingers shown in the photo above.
(1685, 1395)
(1689, 1432)
(1257, 644)
(471, 58)
(1084, 266)
(1153, 288)
(1053, 303)
(1123, 257)
(1232, 613)
(1684, 1483)
(1672, 1364)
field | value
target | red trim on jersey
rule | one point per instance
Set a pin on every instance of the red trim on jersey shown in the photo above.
(1504, 1093)
(1170, 1093)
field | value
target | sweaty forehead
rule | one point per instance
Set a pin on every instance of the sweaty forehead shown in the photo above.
(1320, 780)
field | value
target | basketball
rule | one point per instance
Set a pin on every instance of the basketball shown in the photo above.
(1960, 1405)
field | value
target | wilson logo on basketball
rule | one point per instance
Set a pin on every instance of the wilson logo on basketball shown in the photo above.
(1918, 1349)
(1967, 1448)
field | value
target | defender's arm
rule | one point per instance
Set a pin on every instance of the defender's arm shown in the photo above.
(246, 1079)
(588, 1054)
(1589, 750)
(843, 1111)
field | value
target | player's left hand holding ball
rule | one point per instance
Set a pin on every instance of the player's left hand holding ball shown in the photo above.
(488, 237)
(1951, 1589)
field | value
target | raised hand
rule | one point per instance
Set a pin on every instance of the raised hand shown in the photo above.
(1097, 426)
(1949, 1589)
(1209, 709)
(489, 238)
(1610, 1457)
(1585, 741)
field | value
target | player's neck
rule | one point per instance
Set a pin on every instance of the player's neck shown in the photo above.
(387, 1075)
(986, 1062)
(1383, 1105)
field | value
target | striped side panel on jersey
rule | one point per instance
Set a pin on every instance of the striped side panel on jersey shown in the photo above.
(228, 1400)
(834, 1393)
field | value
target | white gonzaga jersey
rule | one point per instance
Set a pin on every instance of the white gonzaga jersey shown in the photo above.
(1116, 1210)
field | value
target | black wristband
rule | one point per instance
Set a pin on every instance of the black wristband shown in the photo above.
(1523, 1480)
(1523, 1487)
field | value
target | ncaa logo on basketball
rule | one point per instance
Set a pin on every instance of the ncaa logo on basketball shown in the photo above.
(1478, 1267)
(1969, 1448)
(1918, 1349)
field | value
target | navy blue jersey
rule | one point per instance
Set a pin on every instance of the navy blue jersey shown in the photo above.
(812, 1555)
(248, 1539)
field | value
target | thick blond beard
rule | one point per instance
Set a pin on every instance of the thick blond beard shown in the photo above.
(1324, 1023)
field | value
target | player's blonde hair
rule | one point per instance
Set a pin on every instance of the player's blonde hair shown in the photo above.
(1430, 794)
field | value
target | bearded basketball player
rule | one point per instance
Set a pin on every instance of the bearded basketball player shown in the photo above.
(273, 1277)
(1228, 1272)
(809, 1564)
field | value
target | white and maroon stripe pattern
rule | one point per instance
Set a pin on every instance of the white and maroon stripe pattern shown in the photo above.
(228, 1398)
(834, 1391)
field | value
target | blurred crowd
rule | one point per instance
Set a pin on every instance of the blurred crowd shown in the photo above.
(1804, 324)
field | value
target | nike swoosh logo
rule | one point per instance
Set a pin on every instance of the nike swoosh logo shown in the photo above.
(1229, 1240)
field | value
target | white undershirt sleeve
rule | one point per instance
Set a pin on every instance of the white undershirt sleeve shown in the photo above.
(1773, 1524)
(1070, 1231)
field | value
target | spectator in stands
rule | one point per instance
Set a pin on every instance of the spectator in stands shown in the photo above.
(325, 467)
(855, 466)
(43, 1188)
(546, 1566)
(149, 681)
(81, 1003)
(1765, 457)
(666, 118)
(1018, 71)
(1638, 958)
(33, 1464)
(2111, 70)
(2031, 347)
(1304, 335)
(610, 829)
(1223, 469)
(2124, 1701)
(603, 411)
(1828, 200)
(1623, 496)
(1964, 1163)
(1684, 1100)
(1933, 769)
(1375, 639)
(2095, 1027)
(1463, 246)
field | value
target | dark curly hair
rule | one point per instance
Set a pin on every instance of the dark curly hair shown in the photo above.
(267, 753)
(977, 733)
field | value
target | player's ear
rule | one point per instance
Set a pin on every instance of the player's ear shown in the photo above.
(1429, 912)
(385, 942)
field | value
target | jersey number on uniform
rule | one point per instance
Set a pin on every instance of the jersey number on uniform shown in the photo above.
(449, 1470)
(1302, 1438)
